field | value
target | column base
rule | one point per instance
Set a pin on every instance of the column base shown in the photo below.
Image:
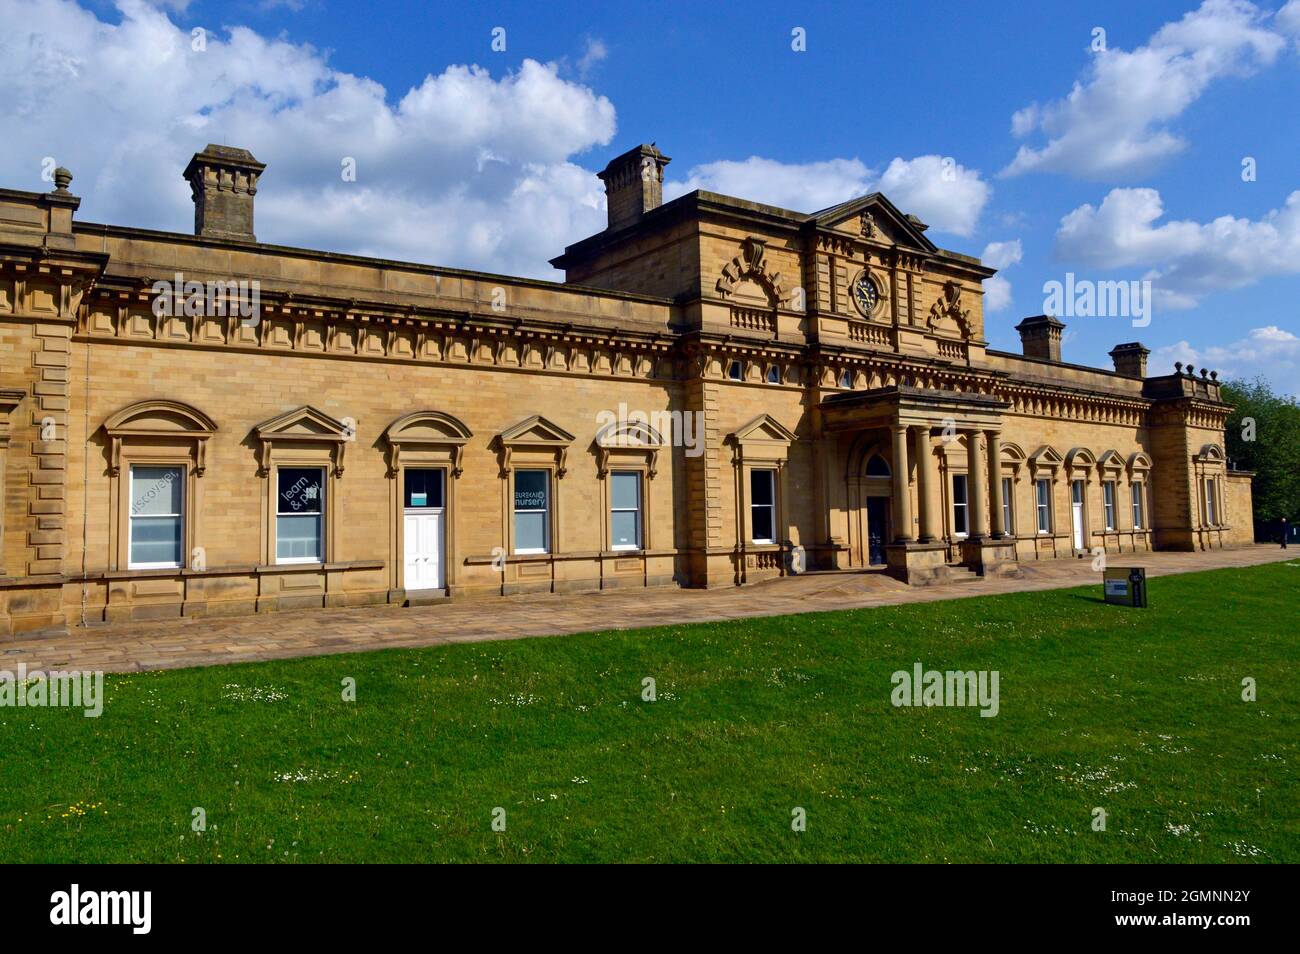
(990, 556)
(917, 564)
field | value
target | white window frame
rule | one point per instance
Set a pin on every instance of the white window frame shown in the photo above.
(1042, 508)
(770, 507)
(1008, 506)
(324, 489)
(1139, 505)
(545, 511)
(1108, 503)
(1211, 503)
(638, 510)
(132, 518)
(963, 506)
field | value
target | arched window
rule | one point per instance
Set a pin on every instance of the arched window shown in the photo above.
(876, 467)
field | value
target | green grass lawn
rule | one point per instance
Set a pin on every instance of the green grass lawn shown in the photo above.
(1137, 712)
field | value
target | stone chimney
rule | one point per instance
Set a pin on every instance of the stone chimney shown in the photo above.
(223, 181)
(1130, 359)
(634, 184)
(1040, 337)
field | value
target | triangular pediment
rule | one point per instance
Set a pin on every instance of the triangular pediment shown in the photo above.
(875, 218)
(1111, 460)
(305, 422)
(536, 430)
(1046, 455)
(764, 428)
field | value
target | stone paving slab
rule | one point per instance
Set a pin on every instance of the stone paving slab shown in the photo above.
(181, 643)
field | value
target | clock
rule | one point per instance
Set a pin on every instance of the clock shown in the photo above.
(865, 295)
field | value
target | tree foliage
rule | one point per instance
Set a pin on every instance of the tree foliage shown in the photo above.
(1263, 435)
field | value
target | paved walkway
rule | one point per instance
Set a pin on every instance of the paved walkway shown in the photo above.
(205, 642)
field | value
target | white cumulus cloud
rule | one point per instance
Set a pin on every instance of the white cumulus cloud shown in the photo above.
(1186, 259)
(466, 168)
(997, 290)
(940, 191)
(1270, 352)
(1115, 120)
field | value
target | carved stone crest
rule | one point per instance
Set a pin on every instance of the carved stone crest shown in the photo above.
(751, 263)
(869, 229)
(949, 306)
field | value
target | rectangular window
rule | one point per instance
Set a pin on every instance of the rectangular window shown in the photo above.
(423, 488)
(157, 518)
(1043, 498)
(1108, 503)
(960, 527)
(762, 506)
(625, 510)
(1137, 505)
(1008, 507)
(299, 515)
(1211, 515)
(532, 511)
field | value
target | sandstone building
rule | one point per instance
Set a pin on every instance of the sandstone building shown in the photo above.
(720, 392)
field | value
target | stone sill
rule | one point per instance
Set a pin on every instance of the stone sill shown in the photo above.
(97, 576)
(488, 560)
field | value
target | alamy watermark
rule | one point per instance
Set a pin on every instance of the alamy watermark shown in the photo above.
(211, 299)
(922, 687)
(56, 689)
(1084, 298)
(624, 428)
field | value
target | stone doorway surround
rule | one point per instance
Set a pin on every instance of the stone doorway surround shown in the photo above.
(917, 553)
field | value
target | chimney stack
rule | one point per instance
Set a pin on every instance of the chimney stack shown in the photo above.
(1040, 337)
(1130, 359)
(634, 184)
(223, 181)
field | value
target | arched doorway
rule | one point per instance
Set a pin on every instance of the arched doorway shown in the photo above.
(870, 487)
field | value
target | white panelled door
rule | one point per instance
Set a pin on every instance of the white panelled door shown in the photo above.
(1076, 507)
(423, 532)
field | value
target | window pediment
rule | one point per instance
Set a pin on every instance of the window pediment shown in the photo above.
(630, 437)
(159, 420)
(427, 430)
(1110, 461)
(305, 426)
(1139, 462)
(535, 436)
(763, 438)
(1080, 458)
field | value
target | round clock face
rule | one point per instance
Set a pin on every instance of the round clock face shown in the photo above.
(865, 295)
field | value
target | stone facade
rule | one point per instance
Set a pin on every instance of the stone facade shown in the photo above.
(721, 392)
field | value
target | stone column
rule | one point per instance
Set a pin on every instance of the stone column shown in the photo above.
(926, 485)
(976, 488)
(902, 503)
(994, 439)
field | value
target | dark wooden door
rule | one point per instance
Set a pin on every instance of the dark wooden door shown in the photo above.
(877, 517)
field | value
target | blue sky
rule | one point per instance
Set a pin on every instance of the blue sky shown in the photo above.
(490, 168)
